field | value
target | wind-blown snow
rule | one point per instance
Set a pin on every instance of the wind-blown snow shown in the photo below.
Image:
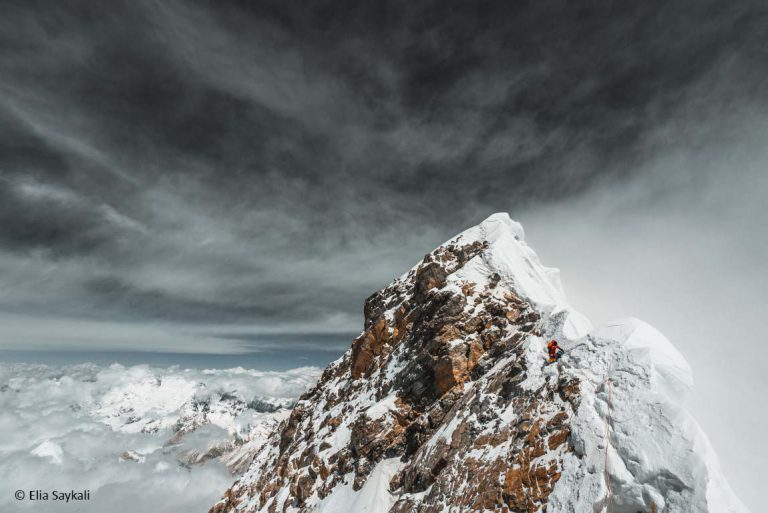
(133, 435)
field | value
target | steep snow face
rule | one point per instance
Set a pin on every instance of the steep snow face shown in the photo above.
(519, 269)
(446, 403)
(631, 424)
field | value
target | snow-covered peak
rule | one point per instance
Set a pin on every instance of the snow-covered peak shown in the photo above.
(510, 258)
(494, 227)
(447, 402)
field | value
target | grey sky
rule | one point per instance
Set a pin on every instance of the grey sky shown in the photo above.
(181, 177)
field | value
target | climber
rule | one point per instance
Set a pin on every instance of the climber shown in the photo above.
(555, 351)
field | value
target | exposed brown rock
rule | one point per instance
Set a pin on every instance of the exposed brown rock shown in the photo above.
(453, 406)
(430, 276)
(367, 347)
(558, 437)
(301, 487)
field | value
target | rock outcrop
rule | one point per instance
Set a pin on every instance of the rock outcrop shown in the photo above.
(445, 402)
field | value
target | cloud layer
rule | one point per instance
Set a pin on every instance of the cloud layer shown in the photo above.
(70, 427)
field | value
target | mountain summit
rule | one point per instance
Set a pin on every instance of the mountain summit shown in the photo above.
(446, 402)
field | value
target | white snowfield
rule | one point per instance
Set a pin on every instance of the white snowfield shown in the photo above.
(373, 497)
(634, 441)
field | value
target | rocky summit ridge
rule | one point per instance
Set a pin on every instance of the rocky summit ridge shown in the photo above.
(445, 402)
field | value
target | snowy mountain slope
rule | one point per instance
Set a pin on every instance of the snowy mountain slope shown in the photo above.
(141, 434)
(657, 453)
(445, 403)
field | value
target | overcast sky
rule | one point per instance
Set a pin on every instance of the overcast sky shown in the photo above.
(215, 176)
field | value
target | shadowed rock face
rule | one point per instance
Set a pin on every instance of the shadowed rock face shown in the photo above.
(436, 380)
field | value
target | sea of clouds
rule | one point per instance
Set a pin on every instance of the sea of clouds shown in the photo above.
(70, 428)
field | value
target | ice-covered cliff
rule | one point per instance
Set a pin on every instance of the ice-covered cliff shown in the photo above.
(445, 402)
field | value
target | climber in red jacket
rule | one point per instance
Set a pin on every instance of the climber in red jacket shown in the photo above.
(554, 351)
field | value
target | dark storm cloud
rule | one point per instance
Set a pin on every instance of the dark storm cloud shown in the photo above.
(273, 163)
